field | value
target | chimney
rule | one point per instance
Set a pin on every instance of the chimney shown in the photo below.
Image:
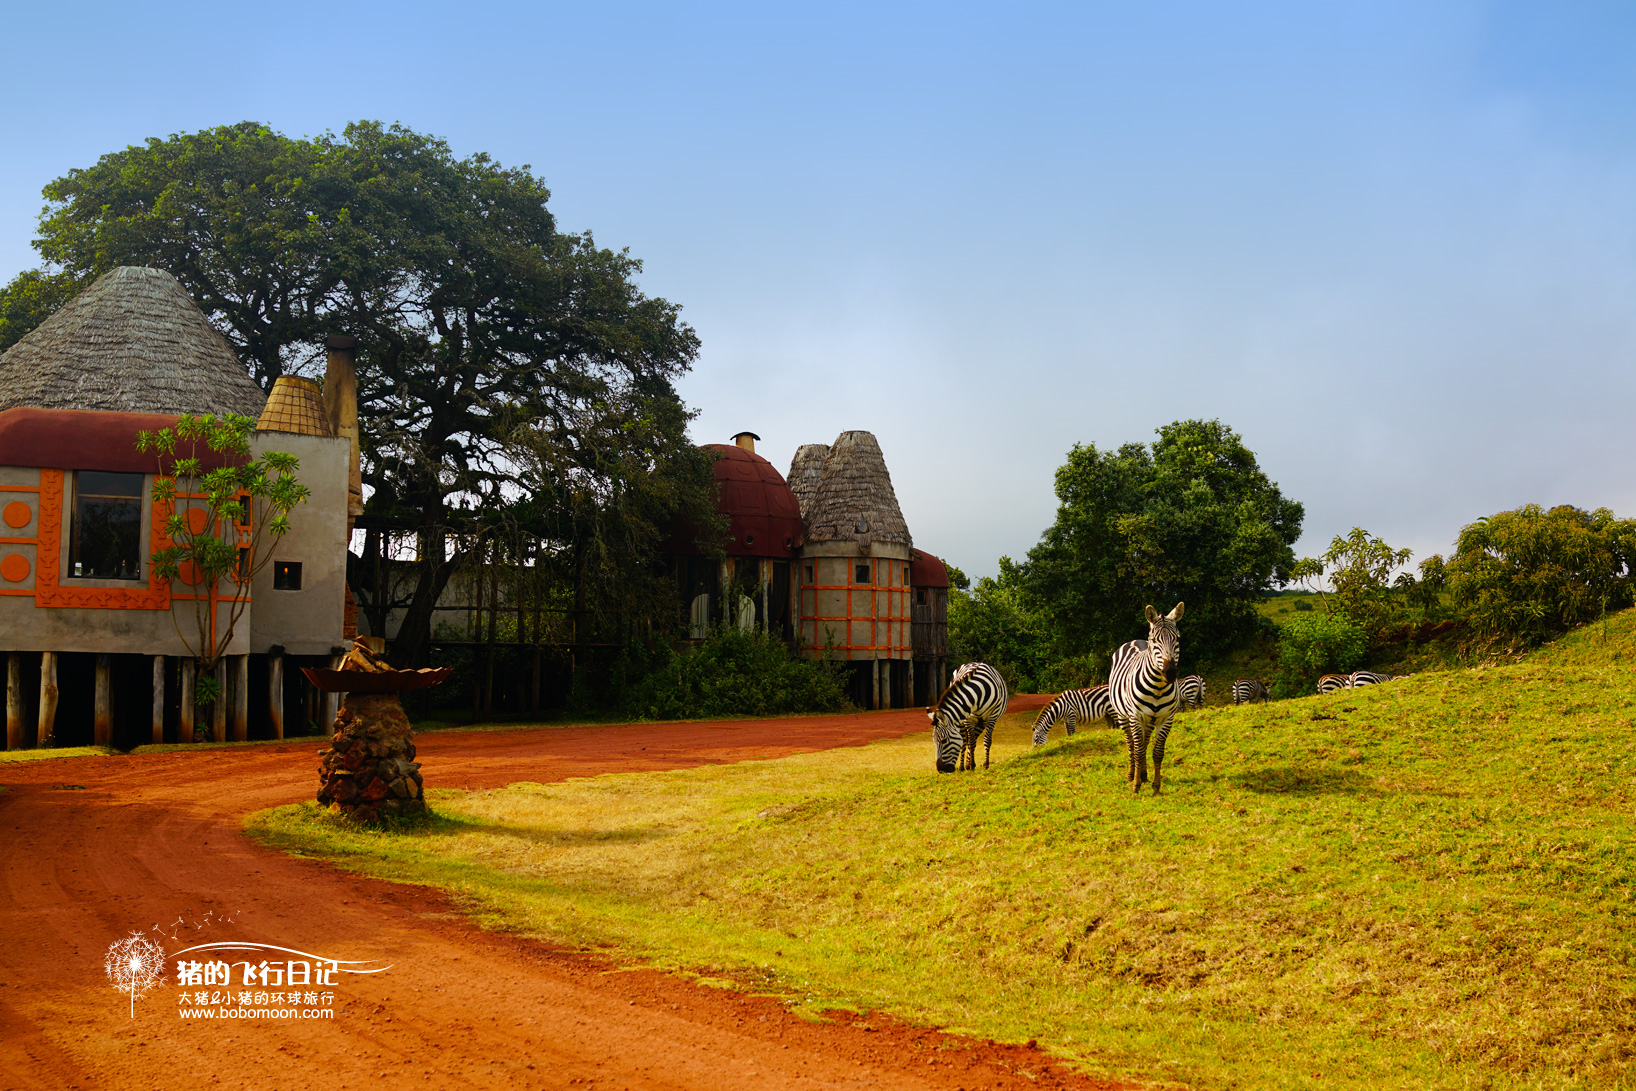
(341, 405)
(746, 440)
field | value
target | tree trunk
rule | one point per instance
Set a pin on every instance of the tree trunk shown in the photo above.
(190, 683)
(218, 710)
(275, 693)
(14, 702)
(158, 735)
(48, 699)
(102, 726)
(241, 698)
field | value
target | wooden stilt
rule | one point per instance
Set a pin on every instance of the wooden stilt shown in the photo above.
(102, 727)
(241, 698)
(158, 699)
(332, 701)
(184, 727)
(48, 700)
(14, 702)
(275, 692)
(218, 710)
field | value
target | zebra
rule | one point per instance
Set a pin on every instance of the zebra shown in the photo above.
(1142, 690)
(1190, 693)
(1329, 683)
(967, 709)
(1246, 690)
(1370, 678)
(1074, 706)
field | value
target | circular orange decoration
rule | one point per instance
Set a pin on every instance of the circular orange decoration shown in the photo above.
(197, 520)
(15, 568)
(188, 573)
(18, 515)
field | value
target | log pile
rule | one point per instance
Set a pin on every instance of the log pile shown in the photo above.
(369, 770)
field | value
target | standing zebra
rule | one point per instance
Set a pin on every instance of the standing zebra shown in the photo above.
(1370, 678)
(1190, 693)
(1246, 690)
(1329, 683)
(967, 709)
(1142, 689)
(1074, 706)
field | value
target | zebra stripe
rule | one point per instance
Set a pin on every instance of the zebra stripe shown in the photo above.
(1190, 693)
(1246, 690)
(1370, 678)
(1142, 690)
(1074, 706)
(1329, 683)
(968, 708)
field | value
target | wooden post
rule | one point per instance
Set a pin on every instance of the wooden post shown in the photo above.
(48, 699)
(275, 692)
(102, 729)
(874, 683)
(158, 699)
(184, 724)
(218, 710)
(332, 701)
(14, 702)
(241, 698)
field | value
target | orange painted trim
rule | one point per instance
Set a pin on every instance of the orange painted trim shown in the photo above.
(48, 558)
(18, 541)
(21, 488)
(16, 591)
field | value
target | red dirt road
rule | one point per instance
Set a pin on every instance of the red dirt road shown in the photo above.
(92, 849)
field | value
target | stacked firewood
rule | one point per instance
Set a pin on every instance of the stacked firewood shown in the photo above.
(369, 770)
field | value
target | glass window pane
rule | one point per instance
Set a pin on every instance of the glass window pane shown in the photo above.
(105, 538)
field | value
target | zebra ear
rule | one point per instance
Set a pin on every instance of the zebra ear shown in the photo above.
(1152, 614)
(1176, 614)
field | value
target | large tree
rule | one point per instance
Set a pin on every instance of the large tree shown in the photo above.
(1192, 519)
(480, 323)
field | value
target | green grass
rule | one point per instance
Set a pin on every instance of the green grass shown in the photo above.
(1423, 884)
(49, 753)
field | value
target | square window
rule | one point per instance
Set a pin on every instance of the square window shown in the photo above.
(286, 575)
(920, 596)
(860, 573)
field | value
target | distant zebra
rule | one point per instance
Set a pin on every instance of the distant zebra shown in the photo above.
(1329, 683)
(967, 709)
(1246, 690)
(1142, 689)
(1074, 706)
(1190, 693)
(1370, 678)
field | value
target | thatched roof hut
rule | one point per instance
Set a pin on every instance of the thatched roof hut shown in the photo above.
(133, 342)
(806, 470)
(854, 501)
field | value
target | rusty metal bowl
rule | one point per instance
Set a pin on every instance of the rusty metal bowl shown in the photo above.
(334, 681)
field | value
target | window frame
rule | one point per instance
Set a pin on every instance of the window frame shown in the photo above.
(68, 546)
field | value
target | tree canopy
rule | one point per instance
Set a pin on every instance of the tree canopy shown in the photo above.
(1193, 519)
(494, 348)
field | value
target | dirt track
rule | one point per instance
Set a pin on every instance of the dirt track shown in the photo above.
(95, 848)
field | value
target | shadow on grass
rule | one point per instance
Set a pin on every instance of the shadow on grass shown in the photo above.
(1299, 780)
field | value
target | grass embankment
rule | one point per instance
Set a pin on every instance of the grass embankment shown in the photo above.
(1423, 884)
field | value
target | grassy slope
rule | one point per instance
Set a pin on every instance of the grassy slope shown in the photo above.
(1421, 884)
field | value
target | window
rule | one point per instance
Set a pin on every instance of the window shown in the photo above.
(860, 573)
(105, 536)
(920, 596)
(286, 575)
(810, 580)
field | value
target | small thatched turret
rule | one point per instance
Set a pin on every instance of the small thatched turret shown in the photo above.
(806, 470)
(133, 342)
(854, 501)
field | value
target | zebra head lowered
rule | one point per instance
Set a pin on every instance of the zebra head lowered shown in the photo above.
(966, 710)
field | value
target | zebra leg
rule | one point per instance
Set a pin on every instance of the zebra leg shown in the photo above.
(968, 748)
(988, 743)
(1130, 750)
(1144, 732)
(1159, 751)
(1070, 723)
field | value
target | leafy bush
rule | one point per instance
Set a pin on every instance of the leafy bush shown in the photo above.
(1317, 644)
(736, 673)
(1521, 576)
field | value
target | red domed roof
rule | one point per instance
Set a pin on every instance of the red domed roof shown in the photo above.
(926, 570)
(764, 519)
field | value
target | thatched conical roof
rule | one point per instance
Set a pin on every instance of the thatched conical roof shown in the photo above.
(854, 500)
(806, 470)
(133, 342)
(295, 405)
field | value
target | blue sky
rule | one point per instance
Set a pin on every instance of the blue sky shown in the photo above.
(1392, 244)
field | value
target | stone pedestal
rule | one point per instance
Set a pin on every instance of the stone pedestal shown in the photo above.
(369, 769)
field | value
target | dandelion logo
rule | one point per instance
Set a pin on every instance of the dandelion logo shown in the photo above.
(134, 964)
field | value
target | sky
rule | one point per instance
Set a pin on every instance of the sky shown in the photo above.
(1392, 245)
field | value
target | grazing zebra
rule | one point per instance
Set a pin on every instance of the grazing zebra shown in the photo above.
(1370, 678)
(1190, 693)
(1246, 690)
(1329, 683)
(1142, 690)
(1074, 706)
(967, 709)
(962, 670)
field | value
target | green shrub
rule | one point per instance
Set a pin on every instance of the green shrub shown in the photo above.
(1316, 644)
(1524, 575)
(736, 673)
